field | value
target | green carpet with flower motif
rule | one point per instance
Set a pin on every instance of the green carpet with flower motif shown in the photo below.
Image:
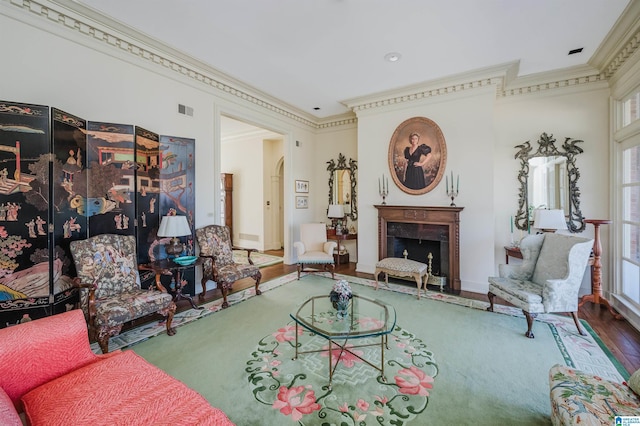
(447, 363)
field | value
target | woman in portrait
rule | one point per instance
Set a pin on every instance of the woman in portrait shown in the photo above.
(416, 156)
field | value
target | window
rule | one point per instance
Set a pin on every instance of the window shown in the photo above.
(630, 109)
(630, 187)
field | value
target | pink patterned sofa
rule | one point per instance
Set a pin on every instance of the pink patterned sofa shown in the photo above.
(50, 376)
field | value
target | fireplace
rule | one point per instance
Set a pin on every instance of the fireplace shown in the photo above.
(419, 231)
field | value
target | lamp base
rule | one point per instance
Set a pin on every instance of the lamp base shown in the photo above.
(174, 248)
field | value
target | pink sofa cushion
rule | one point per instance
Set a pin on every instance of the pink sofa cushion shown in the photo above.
(8, 414)
(38, 351)
(122, 389)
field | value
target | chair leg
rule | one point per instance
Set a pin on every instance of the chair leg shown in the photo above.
(103, 334)
(333, 269)
(300, 267)
(530, 318)
(172, 310)
(491, 296)
(103, 341)
(575, 320)
(258, 277)
(225, 292)
(204, 287)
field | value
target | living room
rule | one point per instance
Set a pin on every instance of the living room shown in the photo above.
(72, 58)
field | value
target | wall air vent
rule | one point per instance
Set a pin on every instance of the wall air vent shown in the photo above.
(186, 110)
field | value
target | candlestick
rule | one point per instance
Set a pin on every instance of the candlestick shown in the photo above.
(384, 190)
(447, 178)
(457, 184)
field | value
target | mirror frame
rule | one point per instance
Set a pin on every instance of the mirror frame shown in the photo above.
(341, 164)
(547, 148)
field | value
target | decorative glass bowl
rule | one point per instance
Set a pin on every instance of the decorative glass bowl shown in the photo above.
(185, 260)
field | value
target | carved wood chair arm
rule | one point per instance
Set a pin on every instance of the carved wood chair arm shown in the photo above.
(248, 250)
(91, 298)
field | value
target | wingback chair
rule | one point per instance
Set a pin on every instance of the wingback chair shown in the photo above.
(313, 248)
(217, 251)
(110, 286)
(547, 280)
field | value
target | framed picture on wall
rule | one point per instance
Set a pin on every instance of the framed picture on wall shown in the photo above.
(417, 155)
(302, 186)
(302, 202)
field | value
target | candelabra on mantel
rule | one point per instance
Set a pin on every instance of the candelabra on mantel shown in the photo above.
(453, 192)
(383, 189)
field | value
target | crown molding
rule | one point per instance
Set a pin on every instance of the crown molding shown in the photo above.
(582, 76)
(620, 43)
(91, 26)
(495, 75)
(88, 26)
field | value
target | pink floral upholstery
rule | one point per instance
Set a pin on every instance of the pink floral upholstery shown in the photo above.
(111, 293)
(218, 266)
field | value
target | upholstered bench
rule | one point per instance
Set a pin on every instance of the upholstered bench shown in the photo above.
(400, 267)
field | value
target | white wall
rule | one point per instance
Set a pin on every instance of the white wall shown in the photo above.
(467, 124)
(579, 113)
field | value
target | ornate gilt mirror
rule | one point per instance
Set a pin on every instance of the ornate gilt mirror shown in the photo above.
(342, 185)
(549, 179)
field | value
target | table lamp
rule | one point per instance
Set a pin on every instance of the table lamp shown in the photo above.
(549, 220)
(174, 227)
(336, 214)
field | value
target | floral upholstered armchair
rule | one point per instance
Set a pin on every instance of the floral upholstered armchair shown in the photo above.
(580, 398)
(110, 287)
(547, 280)
(218, 266)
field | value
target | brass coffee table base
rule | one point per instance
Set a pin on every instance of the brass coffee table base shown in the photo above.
(343, 348)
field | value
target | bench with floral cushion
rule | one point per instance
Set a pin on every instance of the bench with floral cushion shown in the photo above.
(401, 267)
(579, 398)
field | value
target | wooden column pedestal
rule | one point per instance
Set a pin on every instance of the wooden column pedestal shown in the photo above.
(596, 271)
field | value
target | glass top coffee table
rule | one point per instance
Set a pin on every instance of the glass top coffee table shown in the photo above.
(367, 319)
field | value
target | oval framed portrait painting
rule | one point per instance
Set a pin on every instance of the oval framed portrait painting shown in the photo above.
(417, 155)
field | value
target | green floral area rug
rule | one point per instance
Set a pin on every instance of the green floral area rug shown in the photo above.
(299, 388)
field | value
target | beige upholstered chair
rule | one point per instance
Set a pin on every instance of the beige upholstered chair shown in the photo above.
(547, 280)
(110, 286)
(314, 249)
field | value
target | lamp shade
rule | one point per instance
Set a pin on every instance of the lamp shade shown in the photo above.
(549, 220)
(174, 226)
(336, 211)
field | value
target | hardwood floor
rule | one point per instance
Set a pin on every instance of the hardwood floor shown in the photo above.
(622, 339)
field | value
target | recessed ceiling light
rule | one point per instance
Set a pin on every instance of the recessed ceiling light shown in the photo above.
(574, 51)
(392, 57)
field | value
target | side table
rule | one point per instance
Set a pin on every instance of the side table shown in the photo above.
(596, 270)
(343, 237)
(169, 267)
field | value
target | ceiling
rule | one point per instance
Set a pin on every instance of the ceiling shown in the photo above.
(318, 53)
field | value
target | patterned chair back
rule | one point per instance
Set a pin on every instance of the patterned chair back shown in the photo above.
(109, 261)
(214, 240)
